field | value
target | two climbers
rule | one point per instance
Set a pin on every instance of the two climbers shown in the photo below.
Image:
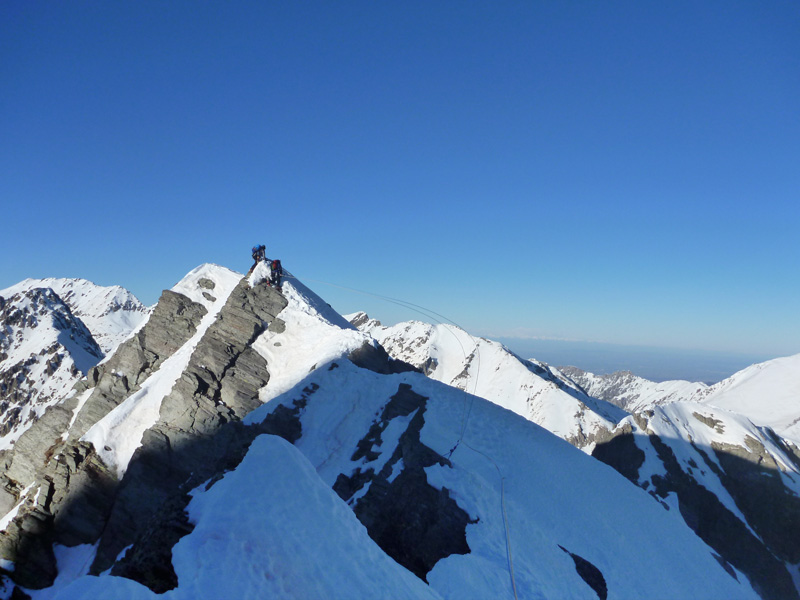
(276, 270)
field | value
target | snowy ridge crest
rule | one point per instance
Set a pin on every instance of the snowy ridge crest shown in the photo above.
(238, 413)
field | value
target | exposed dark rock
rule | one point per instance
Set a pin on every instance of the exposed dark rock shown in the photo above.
(712, 423)
(199, 434)
(721, 529)
(621, 453)
(375, 358)
(361, 318)
(413, 522)
(590, 574)
(149, 561)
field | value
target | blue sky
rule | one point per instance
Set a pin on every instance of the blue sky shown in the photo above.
(621, 172)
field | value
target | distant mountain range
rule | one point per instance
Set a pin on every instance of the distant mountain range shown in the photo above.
(237, 441)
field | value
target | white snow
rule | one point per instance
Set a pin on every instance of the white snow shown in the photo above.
(635, 393)
(315, 334)
(270, 529)
(109, 312)
(117, 435)
(487, 369)
(767, 393)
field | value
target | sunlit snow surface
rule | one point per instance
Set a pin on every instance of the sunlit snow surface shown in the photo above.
(273, 528)
(768, 393)
(486, 368)
(111, 313)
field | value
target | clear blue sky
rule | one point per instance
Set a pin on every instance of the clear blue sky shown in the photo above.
(624, 172)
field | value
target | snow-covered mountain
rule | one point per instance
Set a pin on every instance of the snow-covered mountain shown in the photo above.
(631, 392)
(44, 350)
(487, 369)
(246, 442)
(768, 393)
(52, 331)
(677, 450)
(109, 312)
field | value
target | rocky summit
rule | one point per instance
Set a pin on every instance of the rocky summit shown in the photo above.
(247, 441)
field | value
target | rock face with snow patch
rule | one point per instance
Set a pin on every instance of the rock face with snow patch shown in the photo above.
(149, 459)
(44, 349)
(198, 433)
(530, 388)
(630, 392)
(415, 523)
(77, 493)
(736, 485)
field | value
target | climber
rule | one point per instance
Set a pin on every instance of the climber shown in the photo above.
(259, 254)
(276, 274)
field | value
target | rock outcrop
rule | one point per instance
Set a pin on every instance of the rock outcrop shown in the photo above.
(757, 535)
(63, 491)
(413, 522)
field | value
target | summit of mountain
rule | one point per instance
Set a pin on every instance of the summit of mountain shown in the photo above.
(249, 441)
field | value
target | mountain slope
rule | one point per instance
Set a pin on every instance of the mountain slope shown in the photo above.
(44, 350)
(252, 364)
(736, 503)
(487, 369)
(111, 313)
(631, 392)
(736, 485)
(768, 393)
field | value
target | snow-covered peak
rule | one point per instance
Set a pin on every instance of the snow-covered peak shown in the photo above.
(768, 393)
(207, 283)
(487, 369)
(44, 349)
(631, 392)
(109, 312)
(314, 335)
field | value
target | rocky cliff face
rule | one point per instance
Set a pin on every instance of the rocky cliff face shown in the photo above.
(60, 488)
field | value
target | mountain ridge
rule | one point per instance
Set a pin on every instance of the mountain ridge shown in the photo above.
(225, 365)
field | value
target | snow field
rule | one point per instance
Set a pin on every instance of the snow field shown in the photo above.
(254, 539)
